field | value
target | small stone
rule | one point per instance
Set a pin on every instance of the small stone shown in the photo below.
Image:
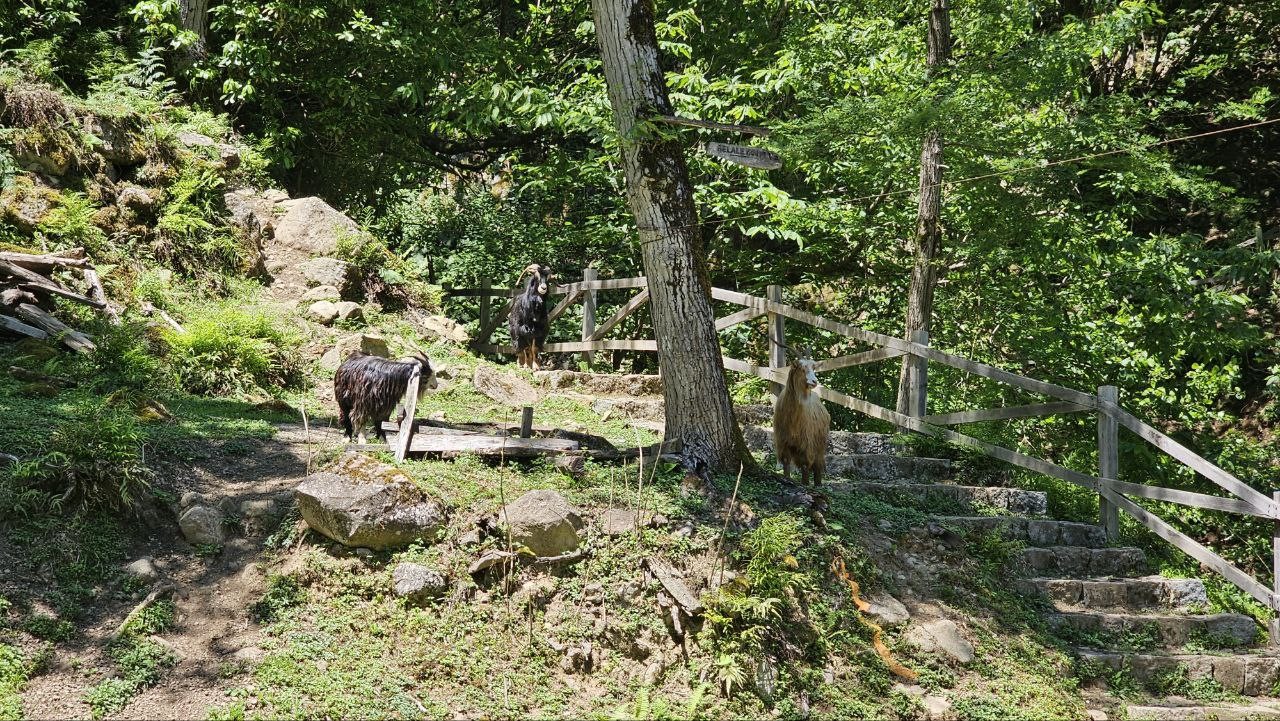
(191, 498)
(620, 521)
(259, 509)
(195, 140)
(887, 610)
(348, 310)
(938, 708)
(328, 271)
(251, 655)
(942, 636)
(202, 526)
(364, 552)
(885, 525)
(446, 328)
(418, 583)
(651, 673)
(321, 292)
(143, 570)
(571, 465)
(507, 388)
(544, 521)
(228, 506)
(470, 538)
(323, 312)
(685, 530)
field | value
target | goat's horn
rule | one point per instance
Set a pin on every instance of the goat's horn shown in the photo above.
(531, 268)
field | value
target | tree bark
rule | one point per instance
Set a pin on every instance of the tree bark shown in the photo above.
(928, 239)
(195, 18)
(698, 410)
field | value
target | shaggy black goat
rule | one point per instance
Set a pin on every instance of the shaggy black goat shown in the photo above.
(528, 319)
(368, 387)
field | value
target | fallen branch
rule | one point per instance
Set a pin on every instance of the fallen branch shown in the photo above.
(148, 309)
(17, 326)
(98, 294)
(44, 263)
(674, 585)
(73, 339)
(23, 274)
(64, 293)
(161, 589)
(23, 374)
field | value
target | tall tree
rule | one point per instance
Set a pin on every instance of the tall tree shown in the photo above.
(928, 238)
(195, 19)
(698, 409)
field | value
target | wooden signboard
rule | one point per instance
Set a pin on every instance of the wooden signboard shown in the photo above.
(745, 155)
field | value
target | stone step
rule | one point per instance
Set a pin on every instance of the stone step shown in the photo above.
(1033, 532)
(952, 498)
(1081, 562)
(1249, 674)
(1195, 711)
(885, 468)
(1118, 594)
(1149, 631)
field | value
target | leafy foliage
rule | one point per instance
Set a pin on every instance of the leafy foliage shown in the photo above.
(227, 350)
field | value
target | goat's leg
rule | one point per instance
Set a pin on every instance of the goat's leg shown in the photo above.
(533, 354)
(786, 469)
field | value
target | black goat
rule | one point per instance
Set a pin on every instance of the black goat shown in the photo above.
(368, 387)
(528, 319)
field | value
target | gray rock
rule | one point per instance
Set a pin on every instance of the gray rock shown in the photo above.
(544, 521)
(942, 636)
(195, 140)
(887, 610)
(202, 526)
(572, 465)
(328, 271)
(369, 514)
(445, 328)
(323, 312)
(252, 212)
(136, 198)
(191, 498)
(228, 506)
(321, 292)
(259, 513)
(229, 155)
(144, 570)
(116, 142)
(938, 708)
(507, 388)
(364, 552)
(370, 344)
(418, 583)
(620, 521)
(312, 226)
(7, 460)
(349, 311)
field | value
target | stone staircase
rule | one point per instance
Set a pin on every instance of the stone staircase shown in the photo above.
(1121, 622)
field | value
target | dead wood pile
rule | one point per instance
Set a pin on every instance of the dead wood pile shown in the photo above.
(30, 283)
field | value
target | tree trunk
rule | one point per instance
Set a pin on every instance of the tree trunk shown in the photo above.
(698, 409)
(195, 18)
(928, 239)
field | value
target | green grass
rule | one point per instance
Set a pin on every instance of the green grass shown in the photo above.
(140, 662)
(14, 671)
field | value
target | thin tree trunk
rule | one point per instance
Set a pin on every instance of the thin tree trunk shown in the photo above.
(928, 239)
(698, 409)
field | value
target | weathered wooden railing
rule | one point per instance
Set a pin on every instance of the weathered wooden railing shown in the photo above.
(1114, 494)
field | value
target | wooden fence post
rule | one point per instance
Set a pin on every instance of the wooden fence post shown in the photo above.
(526, 422)
(918, 379)
(1274, 624)
(777, 338)
(589, 309)
(1108, 461)
(485, 300)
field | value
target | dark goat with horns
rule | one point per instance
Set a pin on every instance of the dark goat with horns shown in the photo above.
(368, 387)
(528, 319)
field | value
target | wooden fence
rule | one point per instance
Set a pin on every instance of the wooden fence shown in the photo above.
(1114, 495)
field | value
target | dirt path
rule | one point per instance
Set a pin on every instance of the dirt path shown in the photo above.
(213, 636)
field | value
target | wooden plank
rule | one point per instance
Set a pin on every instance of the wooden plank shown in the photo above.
(611, 284)
(741, 316)
(503, 446)
(917, 379)
(589, 275)
(578, 347)
(63, 293)
(1274, 625)
(43, 263)
(486, 302)
(630, 307)
(776, 328)
(23, 274)
(486, 330)
(1108, 462)
(741, 366)
(1189, 546)
(856, 359)
(16, 326)
(410, 409)
(1179, 452)
(73, 339)
(745, 155)
(1000, 414)
(476, 292)
(526, 422)
(97, 293)
(564, 305)
(866, 336)
(1185, 498)
(712, 125)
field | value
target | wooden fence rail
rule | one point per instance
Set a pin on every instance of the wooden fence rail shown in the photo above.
(1114, 495)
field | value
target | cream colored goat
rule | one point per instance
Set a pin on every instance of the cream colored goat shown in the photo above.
(801, 424)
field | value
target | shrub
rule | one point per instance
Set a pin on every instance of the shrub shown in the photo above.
(93, 462)
(229, 351)
(125, 360)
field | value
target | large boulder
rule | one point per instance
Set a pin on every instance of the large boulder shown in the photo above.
(365, 513)
(349, 311)
(117, 142)
(328, 271)
(312, 226)
(369, 344)
(506, 388)
(322, 312)
(252, 212)
(446, 328)
(544, 521)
